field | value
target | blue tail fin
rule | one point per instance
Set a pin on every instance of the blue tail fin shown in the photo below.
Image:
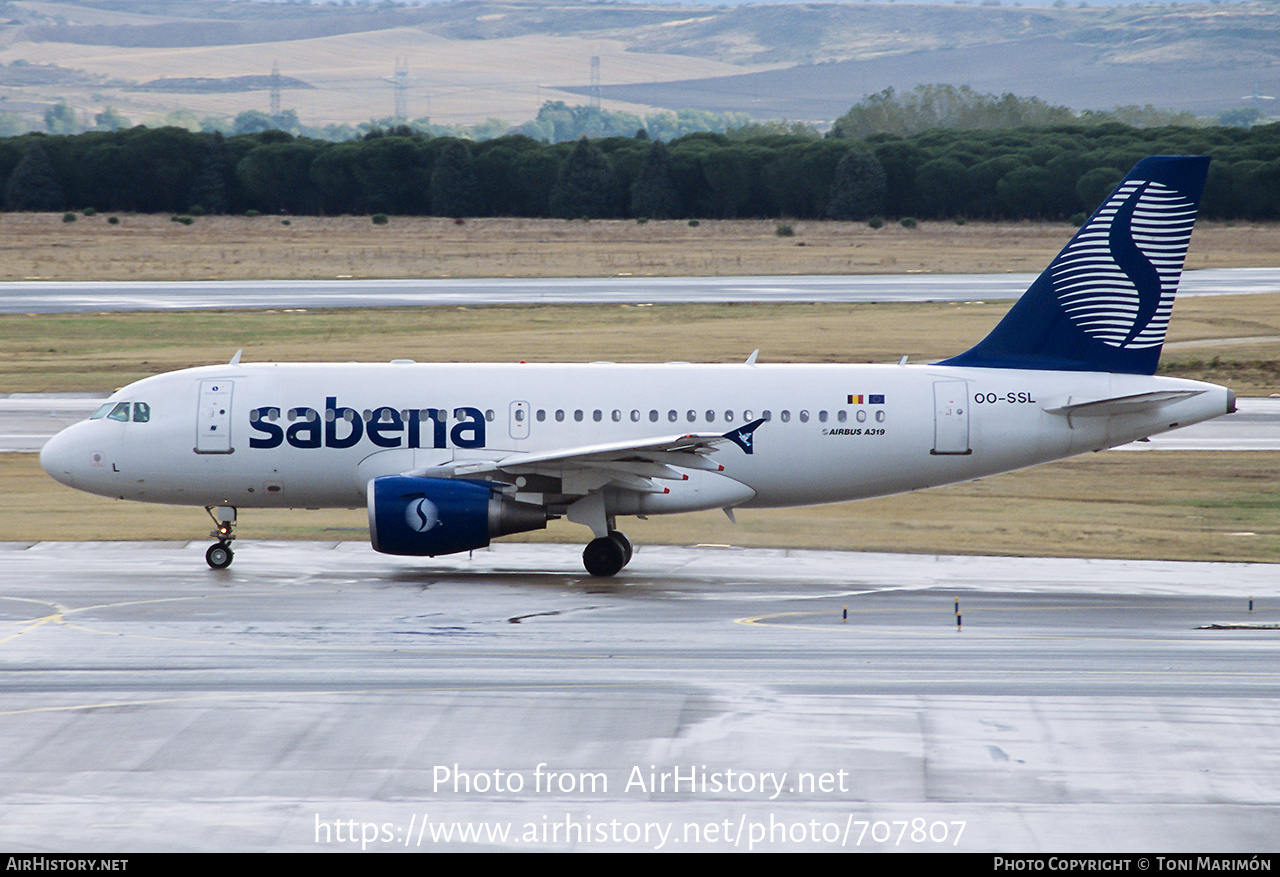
(1103, 304)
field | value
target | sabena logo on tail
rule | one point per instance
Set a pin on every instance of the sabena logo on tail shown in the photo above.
(1117, 278)
(1104, 303)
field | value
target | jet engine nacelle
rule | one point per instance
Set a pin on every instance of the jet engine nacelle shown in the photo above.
(430, 516)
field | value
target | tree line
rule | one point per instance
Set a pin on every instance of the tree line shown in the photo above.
(1052, 171)
(555, 122)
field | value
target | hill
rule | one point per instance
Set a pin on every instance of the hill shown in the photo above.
(468, 61)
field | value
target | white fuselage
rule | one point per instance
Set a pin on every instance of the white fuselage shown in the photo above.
(283, 435)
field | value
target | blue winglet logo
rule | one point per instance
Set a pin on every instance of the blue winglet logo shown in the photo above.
(744, 436)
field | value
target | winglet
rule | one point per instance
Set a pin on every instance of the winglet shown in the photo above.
(1103, 304)
(235, 360)
(744, 436)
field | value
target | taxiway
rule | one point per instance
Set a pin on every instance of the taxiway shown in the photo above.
(23, 297)
(319, 696)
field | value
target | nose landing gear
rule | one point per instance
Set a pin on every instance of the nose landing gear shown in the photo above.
(220, 555)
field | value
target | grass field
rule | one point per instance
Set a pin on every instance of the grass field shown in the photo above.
(147, 247)
(1220, 506)
(1225, 339)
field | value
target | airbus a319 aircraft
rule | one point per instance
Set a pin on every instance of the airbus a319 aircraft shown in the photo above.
(447, 457)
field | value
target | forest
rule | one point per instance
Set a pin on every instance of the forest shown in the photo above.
(1030, 171)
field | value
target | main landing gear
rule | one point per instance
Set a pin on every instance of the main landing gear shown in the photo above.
(610, 551)
(220, 555)
(607, 555)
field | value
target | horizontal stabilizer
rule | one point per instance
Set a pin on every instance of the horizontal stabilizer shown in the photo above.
(1121, 404)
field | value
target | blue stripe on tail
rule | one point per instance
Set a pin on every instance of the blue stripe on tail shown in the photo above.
(1104, 303)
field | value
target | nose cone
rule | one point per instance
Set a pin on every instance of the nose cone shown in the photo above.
(60, 457)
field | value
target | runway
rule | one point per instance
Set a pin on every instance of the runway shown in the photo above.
(319, 697)
(45, 297)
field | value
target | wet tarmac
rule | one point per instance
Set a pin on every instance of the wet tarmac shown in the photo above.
(320, 696)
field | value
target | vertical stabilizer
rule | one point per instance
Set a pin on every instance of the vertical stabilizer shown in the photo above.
(1104, 303)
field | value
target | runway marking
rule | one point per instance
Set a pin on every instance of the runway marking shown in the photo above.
(946, 617)
(33, 600)
(32, 623)
(124, 703)
(335, 692)
(253, 637)
(771, 620)
(174, 600)
(40, 622)
(760, 619)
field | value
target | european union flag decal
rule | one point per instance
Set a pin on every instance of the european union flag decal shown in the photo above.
(872, 399)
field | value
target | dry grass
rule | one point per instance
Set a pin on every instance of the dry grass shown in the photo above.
(147, 247)
(452, 82)
(79, 352)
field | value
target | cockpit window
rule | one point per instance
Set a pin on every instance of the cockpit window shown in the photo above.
(120, 411)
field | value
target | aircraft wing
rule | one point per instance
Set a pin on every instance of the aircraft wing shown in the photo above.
(629, 464)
